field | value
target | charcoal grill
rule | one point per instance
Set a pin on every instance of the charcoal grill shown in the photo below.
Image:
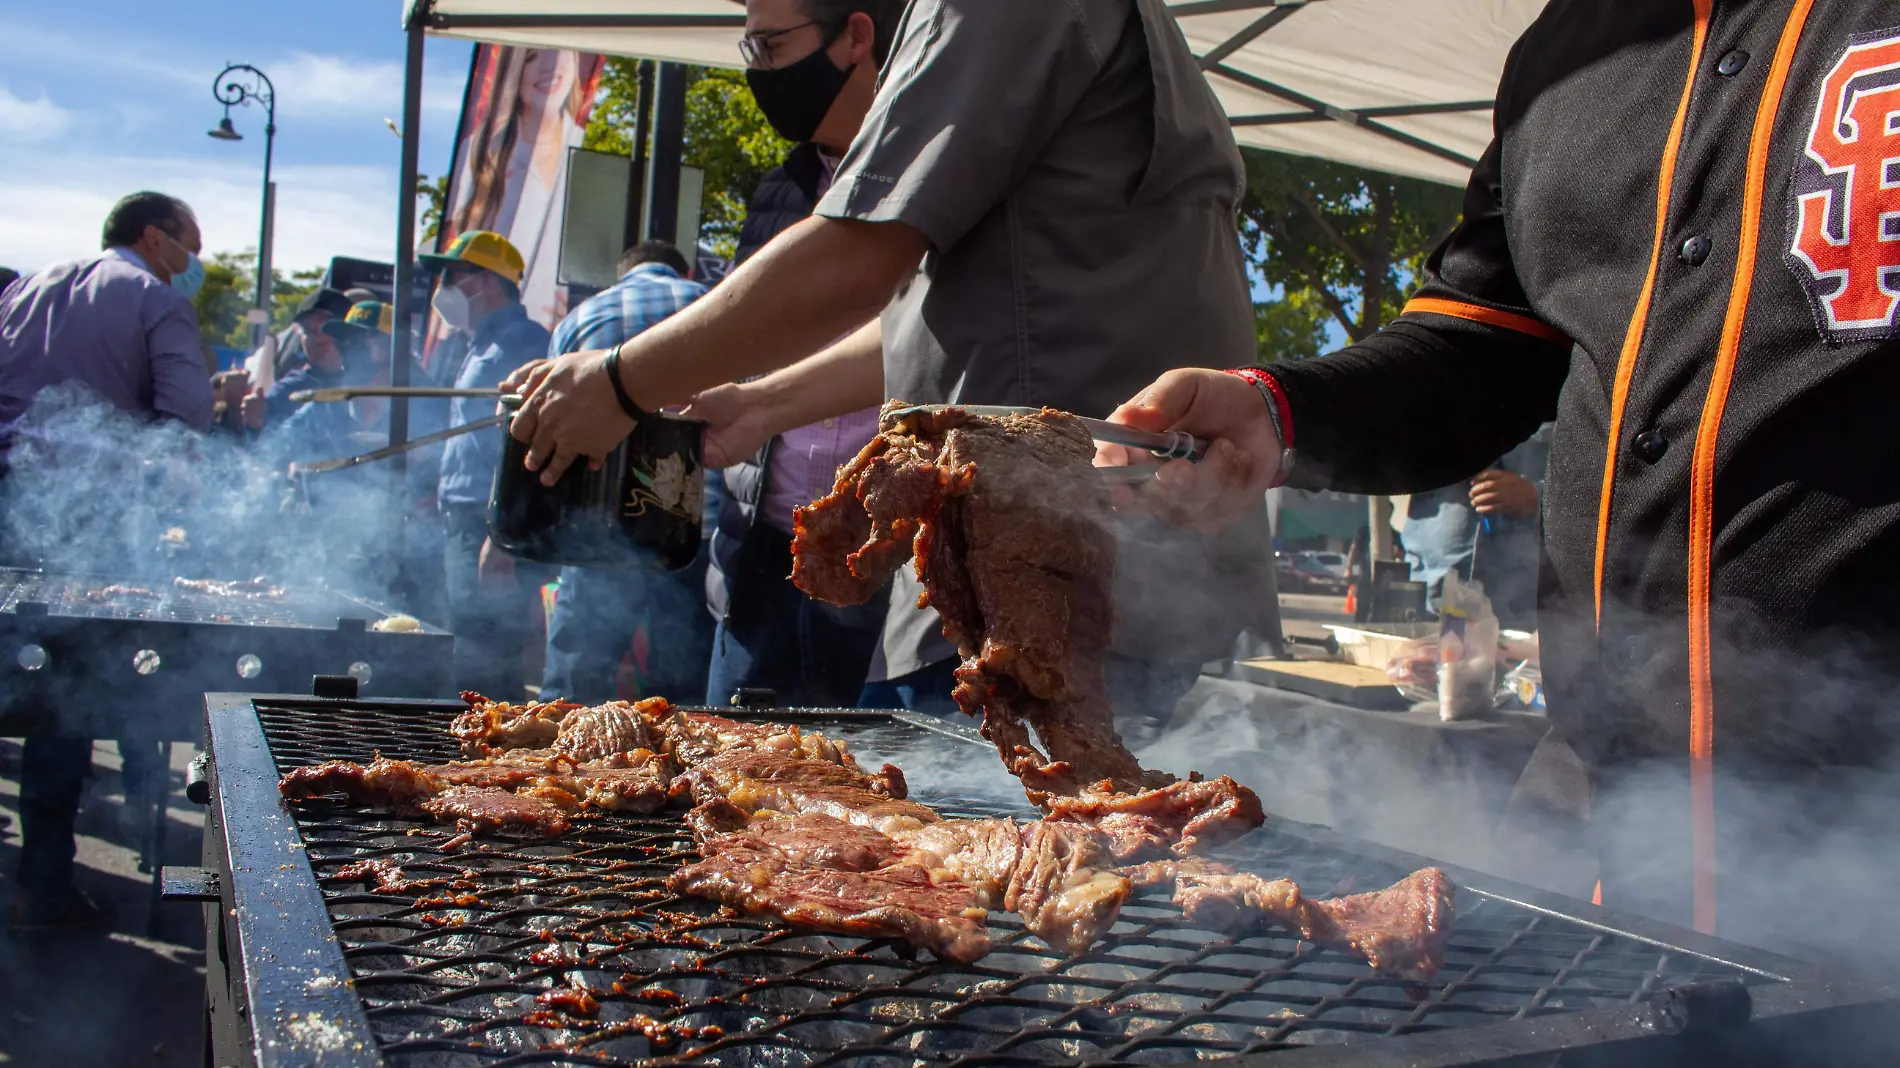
(75, 662)
(304, 967)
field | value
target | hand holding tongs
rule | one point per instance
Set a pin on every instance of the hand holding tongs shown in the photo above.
(348, 393)
(1173, 445)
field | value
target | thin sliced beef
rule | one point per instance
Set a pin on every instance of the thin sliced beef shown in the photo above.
(717, 777)
(479, 810)
(1012, 535)
(1181, 818)
(603, 730)
(1400, 930)
(784, 875)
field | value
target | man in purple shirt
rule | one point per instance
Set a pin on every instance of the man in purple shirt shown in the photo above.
(119, 327)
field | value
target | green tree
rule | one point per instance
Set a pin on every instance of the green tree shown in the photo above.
(726, 136)
(1342, 244)
(230, 289)
(435, 194)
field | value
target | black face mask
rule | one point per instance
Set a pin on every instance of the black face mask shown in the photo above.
(795, 98)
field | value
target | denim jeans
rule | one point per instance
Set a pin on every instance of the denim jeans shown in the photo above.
(599, 615)
(490, 623)
(813, 654)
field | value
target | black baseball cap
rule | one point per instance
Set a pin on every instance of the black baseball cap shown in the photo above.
(325, 299)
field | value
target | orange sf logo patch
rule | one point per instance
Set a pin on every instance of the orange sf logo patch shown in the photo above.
(1845, 215)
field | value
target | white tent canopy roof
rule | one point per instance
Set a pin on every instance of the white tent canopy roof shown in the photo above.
(1403, 86)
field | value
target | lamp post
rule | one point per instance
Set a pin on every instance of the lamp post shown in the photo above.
(241, 83)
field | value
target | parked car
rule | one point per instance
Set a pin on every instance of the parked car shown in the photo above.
(1333, 564)
(1308, 572)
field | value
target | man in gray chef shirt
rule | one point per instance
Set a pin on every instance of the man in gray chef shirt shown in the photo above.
(1038, 210)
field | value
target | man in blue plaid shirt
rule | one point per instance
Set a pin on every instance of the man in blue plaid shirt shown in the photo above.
(598, 614)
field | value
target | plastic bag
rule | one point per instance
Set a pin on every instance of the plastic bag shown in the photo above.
(1415, 670)
(1467, 650)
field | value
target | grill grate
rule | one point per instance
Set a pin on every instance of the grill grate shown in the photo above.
(459, 969)
(81, 597)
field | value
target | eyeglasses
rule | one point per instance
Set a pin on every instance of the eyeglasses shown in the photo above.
(757, 47)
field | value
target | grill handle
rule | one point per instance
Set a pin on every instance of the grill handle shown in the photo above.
(344, 687)
(188, 884)
(198, 779)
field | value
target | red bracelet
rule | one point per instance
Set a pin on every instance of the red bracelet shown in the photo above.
(1278, 410)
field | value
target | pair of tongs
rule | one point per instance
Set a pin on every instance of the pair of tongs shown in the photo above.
(1172, 445)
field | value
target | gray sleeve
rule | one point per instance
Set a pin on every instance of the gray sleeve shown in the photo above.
(181, 386)
(972, 92)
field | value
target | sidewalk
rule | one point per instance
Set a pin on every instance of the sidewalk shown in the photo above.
(116, 997)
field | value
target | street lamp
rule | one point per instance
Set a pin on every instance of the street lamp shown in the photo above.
(237, 84)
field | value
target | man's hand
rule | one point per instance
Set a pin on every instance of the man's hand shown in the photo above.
(495, 568)
(518, 379)
(1241, 462)
(735, 424)
(570, 411)
(253, 409)
(1496, 492)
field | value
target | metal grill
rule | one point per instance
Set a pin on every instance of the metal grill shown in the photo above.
(84, 597)
(477, 960)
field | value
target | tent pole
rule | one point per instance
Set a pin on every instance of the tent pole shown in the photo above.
(401, 343)
(669, 142)
(637, 176)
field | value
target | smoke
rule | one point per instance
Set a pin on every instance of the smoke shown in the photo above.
(91, 489)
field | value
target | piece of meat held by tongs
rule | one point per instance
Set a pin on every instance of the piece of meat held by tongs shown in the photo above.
(1173, 445)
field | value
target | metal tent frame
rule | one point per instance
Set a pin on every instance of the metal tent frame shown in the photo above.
(1403, 86)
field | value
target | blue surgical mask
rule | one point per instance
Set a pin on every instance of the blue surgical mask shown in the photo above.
(190, 280)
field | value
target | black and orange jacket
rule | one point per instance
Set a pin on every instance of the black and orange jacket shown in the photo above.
(1684, 246)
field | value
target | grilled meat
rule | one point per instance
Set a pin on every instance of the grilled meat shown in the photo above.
(720, 775)
(1182, 818)
(603, 730)
(119, 592)
(1013, 539)
(483, 810)
(1400, 930)
(624, 782)
(489, 727)
(847, 803)
(692, 738)
(779, 875)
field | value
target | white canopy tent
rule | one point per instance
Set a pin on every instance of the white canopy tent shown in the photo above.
(1403, 86)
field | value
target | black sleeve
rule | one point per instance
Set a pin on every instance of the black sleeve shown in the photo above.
(1465, 373)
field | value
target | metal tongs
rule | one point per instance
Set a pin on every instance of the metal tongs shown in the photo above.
(337, 394)
(1172, 445)
(322, 466)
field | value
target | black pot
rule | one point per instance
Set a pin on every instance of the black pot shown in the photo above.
(641, 510)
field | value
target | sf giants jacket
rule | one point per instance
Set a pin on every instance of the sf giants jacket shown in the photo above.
(1684, 245)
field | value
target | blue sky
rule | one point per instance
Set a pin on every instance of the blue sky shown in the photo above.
(99, 98)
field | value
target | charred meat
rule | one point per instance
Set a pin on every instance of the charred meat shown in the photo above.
(1013, 540)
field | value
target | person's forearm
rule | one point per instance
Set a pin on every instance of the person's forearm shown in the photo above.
(841, 379)
(813, 283)
(1415, 407)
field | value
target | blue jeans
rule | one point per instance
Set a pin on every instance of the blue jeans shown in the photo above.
(1141, 693)
(601, 616)
(53, 774)
(813, 654)
(490, 623)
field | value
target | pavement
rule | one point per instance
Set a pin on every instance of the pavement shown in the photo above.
(118, 997)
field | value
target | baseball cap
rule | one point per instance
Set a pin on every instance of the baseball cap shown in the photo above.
(324, 299)
(481, 248)
(369, 317)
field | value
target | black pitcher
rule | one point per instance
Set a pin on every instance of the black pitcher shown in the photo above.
(641, 509)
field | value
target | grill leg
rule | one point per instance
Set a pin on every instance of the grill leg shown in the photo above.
(158, 794)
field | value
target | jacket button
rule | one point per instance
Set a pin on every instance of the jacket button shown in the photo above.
(1732, 64)
(1650, 445)
(1695, 250)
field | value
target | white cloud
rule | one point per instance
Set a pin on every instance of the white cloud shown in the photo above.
(38, 119)
(316, 86)
(56, 204)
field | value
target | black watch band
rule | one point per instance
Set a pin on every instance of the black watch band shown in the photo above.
(633, 410)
